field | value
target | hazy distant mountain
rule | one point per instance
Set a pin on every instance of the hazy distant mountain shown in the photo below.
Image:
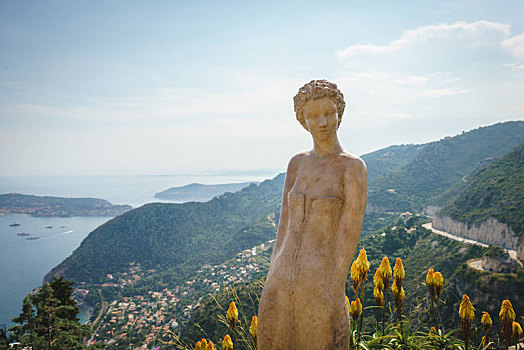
(199, 192)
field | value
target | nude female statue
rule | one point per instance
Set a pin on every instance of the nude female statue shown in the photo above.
(303, 303)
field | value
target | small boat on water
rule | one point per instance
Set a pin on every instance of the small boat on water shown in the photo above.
(62, 226)
(14, 224)
(32, 238)
(49, 227)
(22, 234)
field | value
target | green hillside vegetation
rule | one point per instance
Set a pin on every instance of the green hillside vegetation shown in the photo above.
(440, 165)
(390, 158)
(181, 236)
(497, 191)
(199, 192)
(14, 203)
(453, 191)
(419, 249)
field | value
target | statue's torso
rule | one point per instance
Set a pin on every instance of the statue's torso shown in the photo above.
(304, 284)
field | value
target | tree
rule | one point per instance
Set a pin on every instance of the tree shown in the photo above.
(48, 319)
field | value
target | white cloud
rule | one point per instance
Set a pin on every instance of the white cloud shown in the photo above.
(478, 33)
(515, 45)
(435, 93)
(514, 66)
(392, 78)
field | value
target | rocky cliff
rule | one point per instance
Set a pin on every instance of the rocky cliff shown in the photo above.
(490, 231)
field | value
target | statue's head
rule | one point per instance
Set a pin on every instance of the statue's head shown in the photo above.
(316, 89)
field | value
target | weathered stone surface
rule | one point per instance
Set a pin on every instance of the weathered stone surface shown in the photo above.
(303, 303)
(490, 231)
(499, 263)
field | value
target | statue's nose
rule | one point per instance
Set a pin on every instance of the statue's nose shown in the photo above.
(322, 121)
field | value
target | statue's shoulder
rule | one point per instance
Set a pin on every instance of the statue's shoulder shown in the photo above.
(353, 164)
(298, 158)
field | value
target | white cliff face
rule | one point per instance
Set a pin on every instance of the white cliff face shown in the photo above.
(490, 231)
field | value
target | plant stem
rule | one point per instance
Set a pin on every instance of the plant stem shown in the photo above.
(384, 311)
(433, 312)
(438, 324)
(378, 317)
(361, 315)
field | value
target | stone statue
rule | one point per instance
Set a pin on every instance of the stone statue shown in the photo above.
(303, 304)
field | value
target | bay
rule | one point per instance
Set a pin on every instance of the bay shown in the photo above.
(24, 263)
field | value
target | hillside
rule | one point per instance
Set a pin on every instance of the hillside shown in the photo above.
(419, 250)
(390, 158)
(177, 236)
(440, 165)
(497, 191)
(199, 192)
(14, 203)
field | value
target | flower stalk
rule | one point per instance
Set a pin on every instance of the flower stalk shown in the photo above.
(467, 315)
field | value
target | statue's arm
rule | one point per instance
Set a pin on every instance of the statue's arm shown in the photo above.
(288, 185)
(355, 192)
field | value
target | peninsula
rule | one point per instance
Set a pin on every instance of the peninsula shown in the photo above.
(198, 192)
(15, 203)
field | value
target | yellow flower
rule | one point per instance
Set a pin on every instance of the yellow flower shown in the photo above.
(466, 310)
(506, 315)
(485, 341)
(385, 271)
(517, 330)
(398, 271)
(253, 327)
(486, 320)
(430, 278)
(430, 282)
(347, 301)
(377, 280)
(198, 346)
(394, 288)
(210, 346)
(402, 295)
(232, 313)
(355, 308)
(359, 269)
(227, 344)
(203, 344)
(362, 262)
(439, 282)
(379, 296)
(355, 275)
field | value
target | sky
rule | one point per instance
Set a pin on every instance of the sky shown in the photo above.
(185, 87)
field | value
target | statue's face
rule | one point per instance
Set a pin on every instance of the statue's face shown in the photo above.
(321, 118)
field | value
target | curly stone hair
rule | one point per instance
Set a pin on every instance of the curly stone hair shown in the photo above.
(318, 89)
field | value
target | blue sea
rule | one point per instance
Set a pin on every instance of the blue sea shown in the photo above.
(24, 263)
